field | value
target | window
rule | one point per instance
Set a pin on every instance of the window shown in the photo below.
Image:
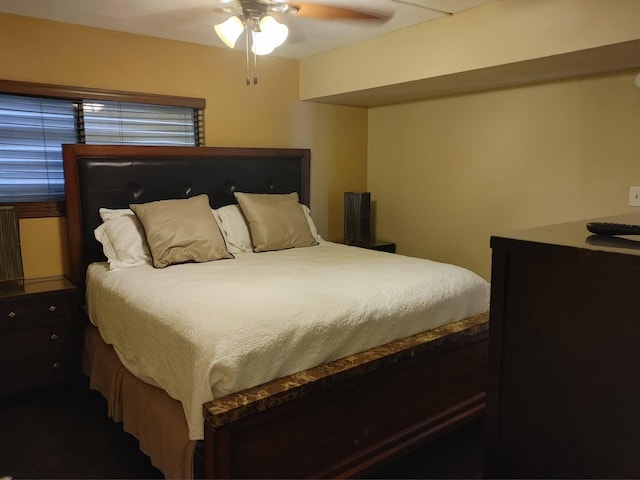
(36, 119)
(137, 124)
(31, 132)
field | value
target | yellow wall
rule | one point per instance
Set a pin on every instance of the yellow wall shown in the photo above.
(448, 173)
(267, 115)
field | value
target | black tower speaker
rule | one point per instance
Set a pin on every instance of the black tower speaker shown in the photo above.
(357, 218)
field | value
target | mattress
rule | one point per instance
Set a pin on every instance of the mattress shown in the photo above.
(203, 331)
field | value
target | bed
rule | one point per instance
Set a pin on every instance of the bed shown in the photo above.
(340, 413)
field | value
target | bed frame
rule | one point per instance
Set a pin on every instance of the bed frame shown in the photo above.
(341, 419)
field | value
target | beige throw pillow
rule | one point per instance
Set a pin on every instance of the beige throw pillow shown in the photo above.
(275, 221)
(180, 231)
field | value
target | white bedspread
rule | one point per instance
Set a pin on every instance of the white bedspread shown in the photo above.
(202, 331)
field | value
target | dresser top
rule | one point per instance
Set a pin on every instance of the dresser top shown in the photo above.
(575, 234)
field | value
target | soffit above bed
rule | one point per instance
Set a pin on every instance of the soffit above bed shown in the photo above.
(496, 45)
(611, 58)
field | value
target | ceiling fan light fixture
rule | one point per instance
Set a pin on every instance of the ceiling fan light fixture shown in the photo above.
(230, 30)
(272, 31)
(263, 32)
(261, 44)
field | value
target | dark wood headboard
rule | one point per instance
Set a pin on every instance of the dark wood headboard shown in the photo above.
(114, 176)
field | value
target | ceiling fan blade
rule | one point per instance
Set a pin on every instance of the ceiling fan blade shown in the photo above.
(329, 12)
(413, 4)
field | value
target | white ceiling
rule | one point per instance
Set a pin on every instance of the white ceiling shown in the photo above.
(193, 20)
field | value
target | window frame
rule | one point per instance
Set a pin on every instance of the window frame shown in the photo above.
(58, 208)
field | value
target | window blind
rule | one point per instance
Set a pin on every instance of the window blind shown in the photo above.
(138, 124)
(33, 128)
(32, 131)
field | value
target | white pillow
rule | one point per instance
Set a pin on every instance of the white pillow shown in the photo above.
(107, 214)
(235, 229)
(123, 239)
(312, 225)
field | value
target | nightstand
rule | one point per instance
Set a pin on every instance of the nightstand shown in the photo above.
(379, 245)
(38, 334)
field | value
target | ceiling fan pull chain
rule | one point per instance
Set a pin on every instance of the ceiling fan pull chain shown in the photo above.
(246, 31)
(255, 68)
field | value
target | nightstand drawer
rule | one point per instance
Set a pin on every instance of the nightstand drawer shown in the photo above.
(46, 339)
(54, 306)
(14, 314)
(33, 372)
(24, 314)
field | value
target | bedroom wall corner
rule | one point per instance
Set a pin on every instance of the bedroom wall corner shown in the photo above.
(338, 137)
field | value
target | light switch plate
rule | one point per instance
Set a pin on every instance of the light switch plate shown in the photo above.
(634, 196)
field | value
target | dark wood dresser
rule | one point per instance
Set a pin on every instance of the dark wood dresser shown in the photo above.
(38, 334)
(563, 394)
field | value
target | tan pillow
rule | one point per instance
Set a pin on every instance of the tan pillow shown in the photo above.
(275, 221)
(180, 231)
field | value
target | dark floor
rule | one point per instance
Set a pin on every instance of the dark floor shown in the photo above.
(63, 432)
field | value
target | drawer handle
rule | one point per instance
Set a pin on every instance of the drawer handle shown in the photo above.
(54, 337)
(56, 365)
(52, 308)
(11, 314)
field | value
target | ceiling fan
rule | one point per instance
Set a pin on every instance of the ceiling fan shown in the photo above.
(314, 10)
(264, 33)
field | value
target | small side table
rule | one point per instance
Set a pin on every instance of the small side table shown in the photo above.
(379, 245)
(38, 334)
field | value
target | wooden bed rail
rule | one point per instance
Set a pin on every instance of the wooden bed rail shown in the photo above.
(322, 423)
